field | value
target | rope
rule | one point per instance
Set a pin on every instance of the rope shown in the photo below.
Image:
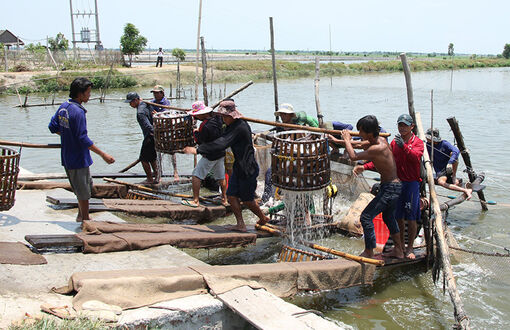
(285, 157)
(496, 254)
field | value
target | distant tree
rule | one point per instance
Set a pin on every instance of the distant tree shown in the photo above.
(450, 49)
(35, 47)
(58, 43)
(179, 54)
(506, 51)
(131, 42)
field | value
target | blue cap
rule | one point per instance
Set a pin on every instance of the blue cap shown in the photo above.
(131, 96)
(406, 119)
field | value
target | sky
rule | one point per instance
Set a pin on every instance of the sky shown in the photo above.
(474, 27)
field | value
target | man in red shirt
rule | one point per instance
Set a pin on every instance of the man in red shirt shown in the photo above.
(407, 150)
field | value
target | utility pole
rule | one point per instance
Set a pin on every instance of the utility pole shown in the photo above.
(85, 32)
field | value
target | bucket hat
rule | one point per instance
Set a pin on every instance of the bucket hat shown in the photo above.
(199, 108)
(229, 108)
(433, 135)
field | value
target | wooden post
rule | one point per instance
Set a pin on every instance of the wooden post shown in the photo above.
(26, 99)
(198, 46)
(273, 59)
(465, 156)
(317, 102)
(178, 88)
(409, 86)
(19, 97)
(204, 72)
(170, 94)
(212, 79)
(458, 307)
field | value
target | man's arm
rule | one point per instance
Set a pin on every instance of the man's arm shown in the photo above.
(144, 122)
(364, 155)
(106, 157)
(453, 151)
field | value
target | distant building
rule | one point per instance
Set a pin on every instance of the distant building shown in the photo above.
(9, 39)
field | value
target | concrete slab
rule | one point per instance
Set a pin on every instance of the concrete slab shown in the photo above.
(25, 288)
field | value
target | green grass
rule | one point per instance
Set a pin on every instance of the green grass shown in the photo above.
(47, 323)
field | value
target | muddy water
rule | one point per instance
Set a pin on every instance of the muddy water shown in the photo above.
(404, 298)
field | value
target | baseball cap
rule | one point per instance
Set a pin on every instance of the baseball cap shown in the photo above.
(131, 96)
(158, 88)
(406, 119)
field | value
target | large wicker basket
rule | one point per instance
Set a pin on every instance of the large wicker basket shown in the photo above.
(173, 130)
(9, 169)
(300, 161)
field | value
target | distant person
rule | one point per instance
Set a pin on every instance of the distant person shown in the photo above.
(445, 163)
(70, 123)
(378, 152)
(159, 97)
(148, 151)
(243, 182)
(160, 58)
(209, 130)
(407, 150)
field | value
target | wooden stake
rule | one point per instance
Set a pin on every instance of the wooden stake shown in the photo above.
(465, 156)
(409, 86)
(460, 315)
(273, 60)
(316, 83)
(198, 46)
(204, 72)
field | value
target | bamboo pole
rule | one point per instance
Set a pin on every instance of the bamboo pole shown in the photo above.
(204, 73)
(129, 166)
(103, 94)
(268, 229)
(409, 86)
(240, 89)
(304, 128)
(19, 98)
(345, 255)
(154, 191)
(465, 156)
(316, 83)
(273, 61)
(29, 145)
(458, 307)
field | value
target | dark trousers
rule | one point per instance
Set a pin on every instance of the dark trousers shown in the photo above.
(384, 202)
(159, 61)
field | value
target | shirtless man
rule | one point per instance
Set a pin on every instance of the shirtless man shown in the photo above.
(379, 152)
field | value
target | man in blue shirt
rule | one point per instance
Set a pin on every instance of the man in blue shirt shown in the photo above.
(445, 162)
(70, 123)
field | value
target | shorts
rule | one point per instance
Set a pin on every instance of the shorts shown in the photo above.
(408, 205)
(81, 182)
(215, 167)
(449, 178)
(148, 150)
(242, 186)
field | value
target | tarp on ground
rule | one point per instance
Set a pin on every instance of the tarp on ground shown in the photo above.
(99, 190)
(136, 288)
(104, 236)
(164, 208)
(17, 253)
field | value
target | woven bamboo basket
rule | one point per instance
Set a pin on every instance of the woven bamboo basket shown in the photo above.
(300, 161)
(173, 130)
(290, 254)
(140, 195)
(9, 169)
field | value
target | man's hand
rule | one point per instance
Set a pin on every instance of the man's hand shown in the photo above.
(449, 169)
(190, 150)
(107, 158)
(358, 169)
(346, 135)
(399, 141)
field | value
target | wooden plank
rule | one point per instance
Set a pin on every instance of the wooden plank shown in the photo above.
(264, 310)
(71, 201)
(420, 257)
(54, 241)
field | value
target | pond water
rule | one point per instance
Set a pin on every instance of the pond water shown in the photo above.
(404, 298)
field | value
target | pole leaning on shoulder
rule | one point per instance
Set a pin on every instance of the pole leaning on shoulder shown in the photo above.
(317, 101)
(273, 60)
(409, 87)
(458, 307)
